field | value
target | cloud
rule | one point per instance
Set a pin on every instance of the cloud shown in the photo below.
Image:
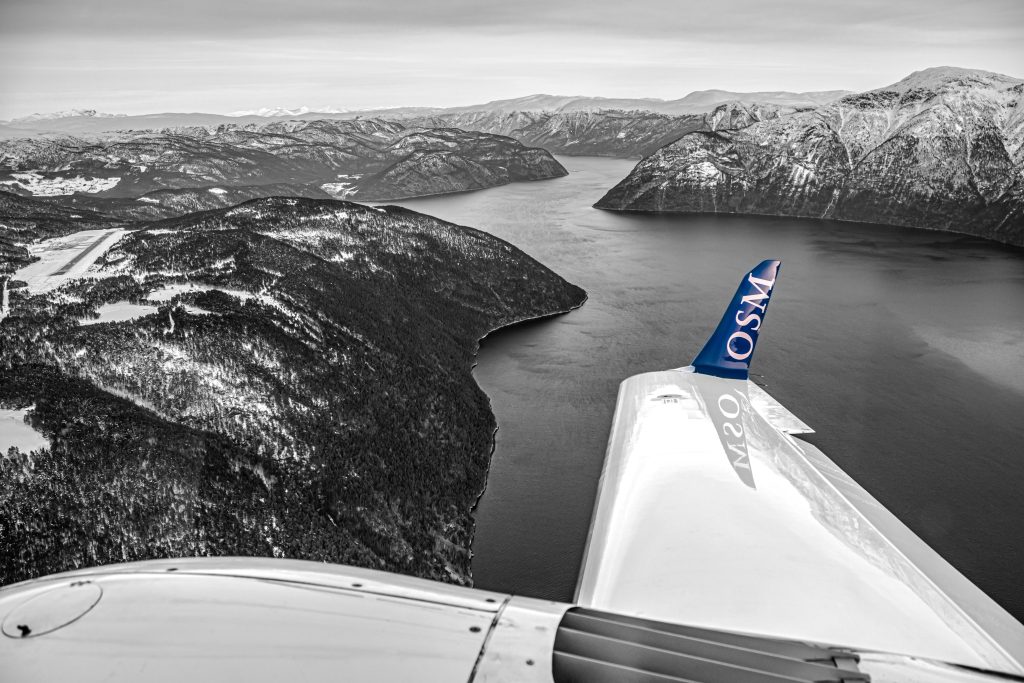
(756, 20)
(223, 55)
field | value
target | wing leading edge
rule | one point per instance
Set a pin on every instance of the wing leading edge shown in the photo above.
(710, 513)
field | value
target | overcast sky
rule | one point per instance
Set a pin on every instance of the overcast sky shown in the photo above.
(139, 56)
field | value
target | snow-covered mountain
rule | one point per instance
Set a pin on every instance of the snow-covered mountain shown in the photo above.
(279, 112)
(66, 114)
(606, 132)
(943, 148)
(700, 102)
(145, 175)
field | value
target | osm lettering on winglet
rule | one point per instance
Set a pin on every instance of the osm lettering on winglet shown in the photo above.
(730, 349)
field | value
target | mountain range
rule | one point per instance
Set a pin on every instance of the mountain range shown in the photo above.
(607, 132)
(942, 149)
(699, 102)
(939, 149)
(149, 175)
(298, 381)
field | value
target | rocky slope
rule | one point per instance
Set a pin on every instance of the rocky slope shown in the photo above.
(941, 149)
(614, 133)
(365, 159)
(298, 384)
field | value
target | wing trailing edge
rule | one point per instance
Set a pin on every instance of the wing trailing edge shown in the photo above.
(775, 413)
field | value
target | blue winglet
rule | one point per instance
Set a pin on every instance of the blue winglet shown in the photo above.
(730, 349)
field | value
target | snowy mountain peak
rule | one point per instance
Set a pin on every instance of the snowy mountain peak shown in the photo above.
(270, 112)
(66, 114)
(941, 78)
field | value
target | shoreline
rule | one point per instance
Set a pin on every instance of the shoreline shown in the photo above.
(490, 407)
(740, 214)
(447, 193)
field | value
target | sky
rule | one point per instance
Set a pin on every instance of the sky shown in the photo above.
(219, 56)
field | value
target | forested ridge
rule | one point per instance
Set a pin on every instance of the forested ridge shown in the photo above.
(309, 397)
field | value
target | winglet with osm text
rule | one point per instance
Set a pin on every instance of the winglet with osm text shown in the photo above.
(730, 349)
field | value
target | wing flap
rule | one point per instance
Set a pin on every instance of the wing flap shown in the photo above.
(776, 414)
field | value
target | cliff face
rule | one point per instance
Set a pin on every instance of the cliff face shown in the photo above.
(145, 175)
(611, 133)
(941, 149)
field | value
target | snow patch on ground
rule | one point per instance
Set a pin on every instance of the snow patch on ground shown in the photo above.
(217, 190)
(14, 431)
(119, 312)
(705, 170)
(338, 190)
(49, 187)
(168, 292)
(149, 200)
(801, 175)
(245, 211)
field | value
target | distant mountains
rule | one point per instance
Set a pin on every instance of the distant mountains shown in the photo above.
(942, 149)
(150, 175)
(67, 114)
(700, 102)
(282, 112)
(608, 132)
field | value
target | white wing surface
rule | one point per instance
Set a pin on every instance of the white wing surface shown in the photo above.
(710, 513)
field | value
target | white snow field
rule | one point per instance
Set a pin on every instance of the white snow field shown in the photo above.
(15, 432)
(65, 258)
(118, 312)
(124, 310)
(168, 292)
(39, 186)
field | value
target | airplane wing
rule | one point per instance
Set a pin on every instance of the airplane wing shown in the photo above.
(710, 513)
(722, 550)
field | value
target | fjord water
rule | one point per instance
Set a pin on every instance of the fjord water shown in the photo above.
(903, 349)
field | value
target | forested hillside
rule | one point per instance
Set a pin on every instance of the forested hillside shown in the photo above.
(300, 386)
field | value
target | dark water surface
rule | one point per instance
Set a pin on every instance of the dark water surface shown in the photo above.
(903, 349)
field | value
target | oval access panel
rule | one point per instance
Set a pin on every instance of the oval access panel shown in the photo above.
(51, 610)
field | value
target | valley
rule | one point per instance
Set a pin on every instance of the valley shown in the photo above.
(210, 349)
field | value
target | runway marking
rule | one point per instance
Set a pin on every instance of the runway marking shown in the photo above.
(82, 254)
